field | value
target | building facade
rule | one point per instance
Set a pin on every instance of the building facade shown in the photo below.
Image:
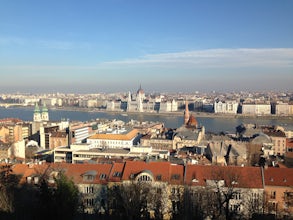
(226, 107)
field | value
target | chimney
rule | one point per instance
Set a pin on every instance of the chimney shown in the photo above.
(68, 132)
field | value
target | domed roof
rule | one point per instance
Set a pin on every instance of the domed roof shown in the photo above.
(261, 138)
(140, 90)
(44, 109)
(37, 109)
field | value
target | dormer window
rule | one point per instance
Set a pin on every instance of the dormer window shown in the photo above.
(103, 176)
(117, 174)
(131, 176)
(195, 180)
(175, 177)
(29, 180)
(89, 176)
(144, 178)
(234, 182)
(36, 180)
(159, 177)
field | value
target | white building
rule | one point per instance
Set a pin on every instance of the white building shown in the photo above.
(226, 107)
(89, 103)
(256, 109)
(17, 150)
(80, 133)
(113, 105)
(78, 153)
(169, 106)
(52, 101)
(118, 138)
(284, 109)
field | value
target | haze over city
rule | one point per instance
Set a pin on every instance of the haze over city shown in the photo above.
(115, 45)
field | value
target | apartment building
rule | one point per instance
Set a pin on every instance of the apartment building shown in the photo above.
(226, 107)
(278, 186)
(284, 109)
(256, 109)
(210, 190)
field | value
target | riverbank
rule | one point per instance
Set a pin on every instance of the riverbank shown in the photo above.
(178, 113)
(169, 114)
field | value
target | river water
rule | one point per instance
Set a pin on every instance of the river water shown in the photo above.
(171, 121)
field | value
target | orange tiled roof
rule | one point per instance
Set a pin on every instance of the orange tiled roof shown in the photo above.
(78, 171)
(29, 170)
(278, 176)
(159, 170)
(247, 177)
(116, 172)
(176, 174)
(129, 136)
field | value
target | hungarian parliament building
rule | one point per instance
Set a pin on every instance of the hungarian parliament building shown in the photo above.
(138, 103)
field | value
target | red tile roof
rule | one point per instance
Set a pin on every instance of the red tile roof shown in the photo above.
(243, 177)
(116, 172)
(195, 175)
(176, 174)
(160, 170)
(278, 176)
(100, 172)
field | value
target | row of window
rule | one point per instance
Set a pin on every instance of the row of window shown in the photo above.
(92, 177)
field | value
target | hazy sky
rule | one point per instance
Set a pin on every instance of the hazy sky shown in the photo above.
(165, 45)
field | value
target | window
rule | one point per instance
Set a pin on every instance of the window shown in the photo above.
(29, 179)
(89, 189)
(88, 177)
(288, 198)
(117, 174)
(103, 176)
(273, 194)
(159, 177)
(174, 190)
(89, 202)
(237, 196)
(36, 180)
(144, 178)
(131, 176)
(272, 207)
(175, 177)
(235, 207)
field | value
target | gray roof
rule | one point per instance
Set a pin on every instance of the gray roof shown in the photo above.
(261, 138)
(187, 134)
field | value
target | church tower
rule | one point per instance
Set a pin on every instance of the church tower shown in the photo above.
(37, 113)
(45, 114)
(186, 113)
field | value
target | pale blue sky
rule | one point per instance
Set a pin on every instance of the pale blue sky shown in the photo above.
(165, 45)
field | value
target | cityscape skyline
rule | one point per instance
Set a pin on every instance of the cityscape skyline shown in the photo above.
(113, 46)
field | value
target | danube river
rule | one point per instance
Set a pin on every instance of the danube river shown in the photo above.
(212, 124)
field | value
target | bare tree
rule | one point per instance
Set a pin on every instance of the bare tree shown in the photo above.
(223, 190)
(7, 183)
(136, 200)
(253, 153)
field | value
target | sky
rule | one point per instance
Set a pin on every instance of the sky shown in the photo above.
(93, 46)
